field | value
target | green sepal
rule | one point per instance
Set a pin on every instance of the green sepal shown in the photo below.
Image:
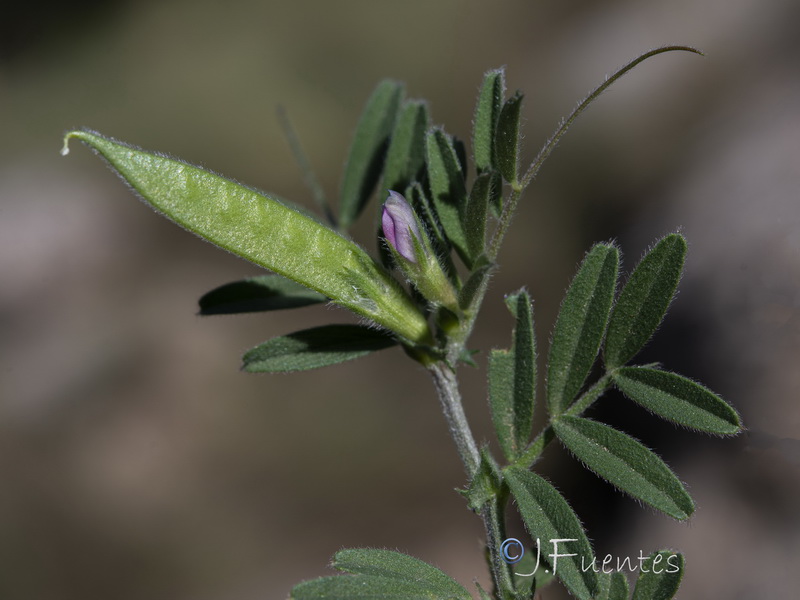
(487, 112)
(626, 464)
(368, 150)
(388, 564)
(644, 300)
(476, 214)
(405, 157)
(512, 380)
(660, 576)
(259, 228)
(507, 139)
(255, 294)
(448, 189)
(580, 326)
(314, 348)
(678, 399)
(547, 516)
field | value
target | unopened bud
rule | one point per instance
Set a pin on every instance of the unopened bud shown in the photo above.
(413, 254)
(400, 226)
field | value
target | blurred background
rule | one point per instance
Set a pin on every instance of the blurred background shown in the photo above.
(137, 462)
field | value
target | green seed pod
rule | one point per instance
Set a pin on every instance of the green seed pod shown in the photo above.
(265, 231)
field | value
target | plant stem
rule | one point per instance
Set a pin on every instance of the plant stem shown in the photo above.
(494, 522)
(446, 383)
(565, 124)
(588, 398)
(444, 378)
(547, 435)
(509, 208)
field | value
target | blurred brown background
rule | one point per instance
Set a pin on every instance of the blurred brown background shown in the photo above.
(137, 462)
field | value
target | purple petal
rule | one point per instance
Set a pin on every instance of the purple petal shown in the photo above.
(400, 225)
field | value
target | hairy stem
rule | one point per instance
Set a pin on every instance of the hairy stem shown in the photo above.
(547, 435)
(510, 205)
(550, 145)
(446, 383)
(494, 521)
(444, 378)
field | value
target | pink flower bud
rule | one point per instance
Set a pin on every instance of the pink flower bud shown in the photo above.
(400, 225)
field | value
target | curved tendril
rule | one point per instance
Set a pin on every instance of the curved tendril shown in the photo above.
(510, 204)
(550, 145)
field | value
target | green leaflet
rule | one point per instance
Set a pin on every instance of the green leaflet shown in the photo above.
(618, 590)
(525, 584)
(314, 348)
(381, 575)
(362, 587)
(613, 586)
(643, 301)
(387, 563)
(507, 139)
(580, 326)
(447, 186)
(496, 192)
(365, 160)
(461, 154)
(678, 399)
(427, 214)
(480, 269)
(626, 464)
(487, 112)
(512, 380)
(260, 229)
(260, 293)
(476, 213)
(405, 157)
(548, 516)
(660, 576)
